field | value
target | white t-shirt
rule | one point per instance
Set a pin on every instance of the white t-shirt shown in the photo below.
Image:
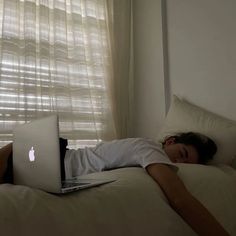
(128, 152)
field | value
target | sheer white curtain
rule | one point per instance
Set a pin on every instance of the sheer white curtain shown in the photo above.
(55, 57)
(121, 40)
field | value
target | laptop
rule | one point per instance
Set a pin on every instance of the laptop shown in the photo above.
(36, 158)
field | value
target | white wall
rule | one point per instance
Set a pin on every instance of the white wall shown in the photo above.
(148, 68)
(202, 53)
(201, 58)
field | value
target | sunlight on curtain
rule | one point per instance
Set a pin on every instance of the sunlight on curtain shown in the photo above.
(121, 40)
(55, 58)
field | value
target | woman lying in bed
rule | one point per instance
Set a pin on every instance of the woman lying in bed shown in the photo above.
(158, 160)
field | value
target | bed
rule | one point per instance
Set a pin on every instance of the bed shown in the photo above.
(134, 204)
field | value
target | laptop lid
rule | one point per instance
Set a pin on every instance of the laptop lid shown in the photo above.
(36, 153)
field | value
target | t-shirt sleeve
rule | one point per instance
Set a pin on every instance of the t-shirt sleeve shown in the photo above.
(158, 160)
(150, 154)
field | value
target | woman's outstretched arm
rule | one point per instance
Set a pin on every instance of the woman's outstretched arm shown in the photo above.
(182, 201)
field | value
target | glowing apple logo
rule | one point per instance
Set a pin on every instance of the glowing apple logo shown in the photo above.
(31, 154)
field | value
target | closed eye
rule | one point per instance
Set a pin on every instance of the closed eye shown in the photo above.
(181, 154)
(185, 153)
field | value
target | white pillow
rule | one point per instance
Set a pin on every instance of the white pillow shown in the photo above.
(184, 116)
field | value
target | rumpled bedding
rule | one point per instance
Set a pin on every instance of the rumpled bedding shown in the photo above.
(132, 205)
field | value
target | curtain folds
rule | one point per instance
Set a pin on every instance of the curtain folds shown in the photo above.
(120, 27)
(70, 57)
(56, 57)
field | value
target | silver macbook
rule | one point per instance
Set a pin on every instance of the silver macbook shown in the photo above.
(36, 158)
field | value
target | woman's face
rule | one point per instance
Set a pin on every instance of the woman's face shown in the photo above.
(180, 153)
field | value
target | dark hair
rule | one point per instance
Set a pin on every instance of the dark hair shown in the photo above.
(205, 146)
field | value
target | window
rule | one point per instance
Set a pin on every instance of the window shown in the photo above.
(55, 58)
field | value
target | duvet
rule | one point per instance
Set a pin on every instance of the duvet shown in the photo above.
(132, 205)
